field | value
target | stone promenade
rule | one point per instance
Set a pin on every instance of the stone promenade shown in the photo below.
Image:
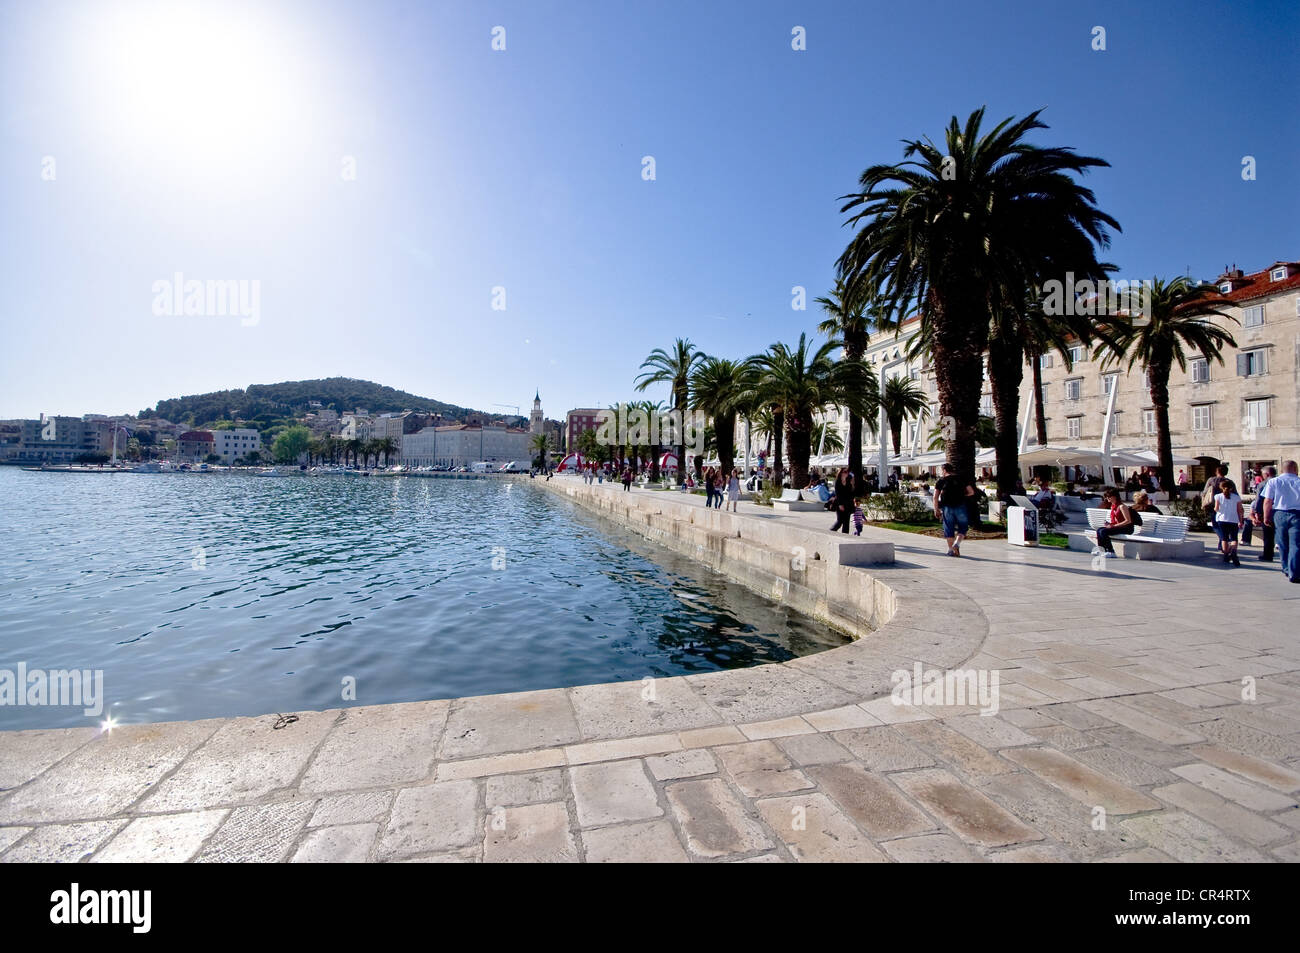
(1146, 711)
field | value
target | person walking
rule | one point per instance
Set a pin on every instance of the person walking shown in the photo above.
(733, 489)
(719, 487)
(1121, 522)
(708, 488)
(1210, 490)
(1282, 512)
(627, 479)
(844, 500)
(1228, 514)
(951, 496)
(1267, 531)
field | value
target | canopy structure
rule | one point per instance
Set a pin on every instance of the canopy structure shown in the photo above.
(571, 462)
(1146, 457)
(668, 461)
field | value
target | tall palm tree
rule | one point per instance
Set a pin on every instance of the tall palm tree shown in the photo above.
(541, 446)
(827, 438)
(1176, 327)
(386, 446)
(673, 368)
(799, 382)
(721, 389)
(986, 434)
(962, 230)
(902, 399)
(851, 322)
(654, 410)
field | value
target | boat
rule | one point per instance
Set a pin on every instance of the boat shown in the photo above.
(271, 472)
(155, 466)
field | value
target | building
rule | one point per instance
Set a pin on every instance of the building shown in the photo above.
(536, 419)
(460, 445)
(237, 444)
(575, 422)
(1244, 412)
(193, 446)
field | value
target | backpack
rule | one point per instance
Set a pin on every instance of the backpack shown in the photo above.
(1207, 494)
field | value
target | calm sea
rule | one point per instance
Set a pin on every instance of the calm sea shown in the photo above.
(202, 595)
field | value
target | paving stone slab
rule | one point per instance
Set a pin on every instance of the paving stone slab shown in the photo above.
(25, 754)
(816, 831)
(494, 724)
(340, 809)
(713, 819)
(1189, 839)
(682, 764)
(760, 768)
(813, 749)
(649, 842)
(1235, 789)
(613, 793)
(871, 800)
(530, 833)
(431, 818)
(1252, 769)
(345, 844)
(258, 834)
(622, 709)
(532, 787)
(1226, 816)
(377, 746)
(965, 811)
(62, 843)
(883, 749)
(246, 760)
(931, 849)
(166, 838)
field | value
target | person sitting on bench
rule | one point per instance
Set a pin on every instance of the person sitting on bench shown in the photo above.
(1122, 521)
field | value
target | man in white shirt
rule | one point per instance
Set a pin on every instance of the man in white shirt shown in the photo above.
(1282, 511)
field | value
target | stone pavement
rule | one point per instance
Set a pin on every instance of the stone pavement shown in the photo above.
(1149, 711)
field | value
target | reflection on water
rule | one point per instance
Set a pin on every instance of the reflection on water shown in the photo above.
(202, 595)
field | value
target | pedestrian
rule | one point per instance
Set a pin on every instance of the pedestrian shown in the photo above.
(1182, 478)
(1228, 515)
(708, 487)
(627, 479)
(859, 518)
(733, 489)
(950, 498)
(719, 486)
(1267, 531)
(1210, 490)
(1282, 512)
(1122, 522)
(844, 500)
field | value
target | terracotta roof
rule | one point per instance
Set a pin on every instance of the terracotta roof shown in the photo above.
(1258, 284)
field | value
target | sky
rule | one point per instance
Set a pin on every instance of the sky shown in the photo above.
(406, 204)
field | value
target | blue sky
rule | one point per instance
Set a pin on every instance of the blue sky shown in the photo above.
(211, 139)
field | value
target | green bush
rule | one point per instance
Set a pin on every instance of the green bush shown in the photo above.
(1191, 508)
(765, 496)
(899, 507)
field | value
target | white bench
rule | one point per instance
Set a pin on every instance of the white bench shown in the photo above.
(792, 501)
(1159, 537)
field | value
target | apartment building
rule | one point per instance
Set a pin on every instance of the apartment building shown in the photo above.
(237, 444)
(460, 445)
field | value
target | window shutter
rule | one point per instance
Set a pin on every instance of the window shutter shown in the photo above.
(1243, 365)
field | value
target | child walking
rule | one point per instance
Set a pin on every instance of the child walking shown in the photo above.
(859, 518)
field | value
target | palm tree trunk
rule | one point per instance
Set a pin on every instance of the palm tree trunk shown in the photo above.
(1040, 413)
(725, 424)
(960, 336)
(799, 441)
(896, 431)
(1006, 369)
(1159, 374)
(778, 425)
(680, 397)
(854, 348)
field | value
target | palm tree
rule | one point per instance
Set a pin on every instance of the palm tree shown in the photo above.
(674, 369)
(798, 383)
(386, 446)
(827, 438)
(653, 410)
(962, 231)
(541, 446)
(1175, 327)
(721, 389)
(986, 434)
(850, 322)
(902, 399)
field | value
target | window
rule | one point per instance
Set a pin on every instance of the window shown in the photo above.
(1252, 363)
(1045, 361)
(1148, 421)
(1257, 412)
(1074, 427)
(1078, 353)
(986, 405)
(1046, 392)
(1226, 287)
(1278, 274)
(1114, 425)
(1253, 317)
(1074, 388)
(1201, 419)
(1108, 384)
(1198, 370)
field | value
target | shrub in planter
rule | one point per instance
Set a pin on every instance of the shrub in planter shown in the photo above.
(898, 507)
(1191, 508)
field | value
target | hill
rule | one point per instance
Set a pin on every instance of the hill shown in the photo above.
(293, 398)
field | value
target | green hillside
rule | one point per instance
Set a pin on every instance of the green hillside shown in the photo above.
(293, 398)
